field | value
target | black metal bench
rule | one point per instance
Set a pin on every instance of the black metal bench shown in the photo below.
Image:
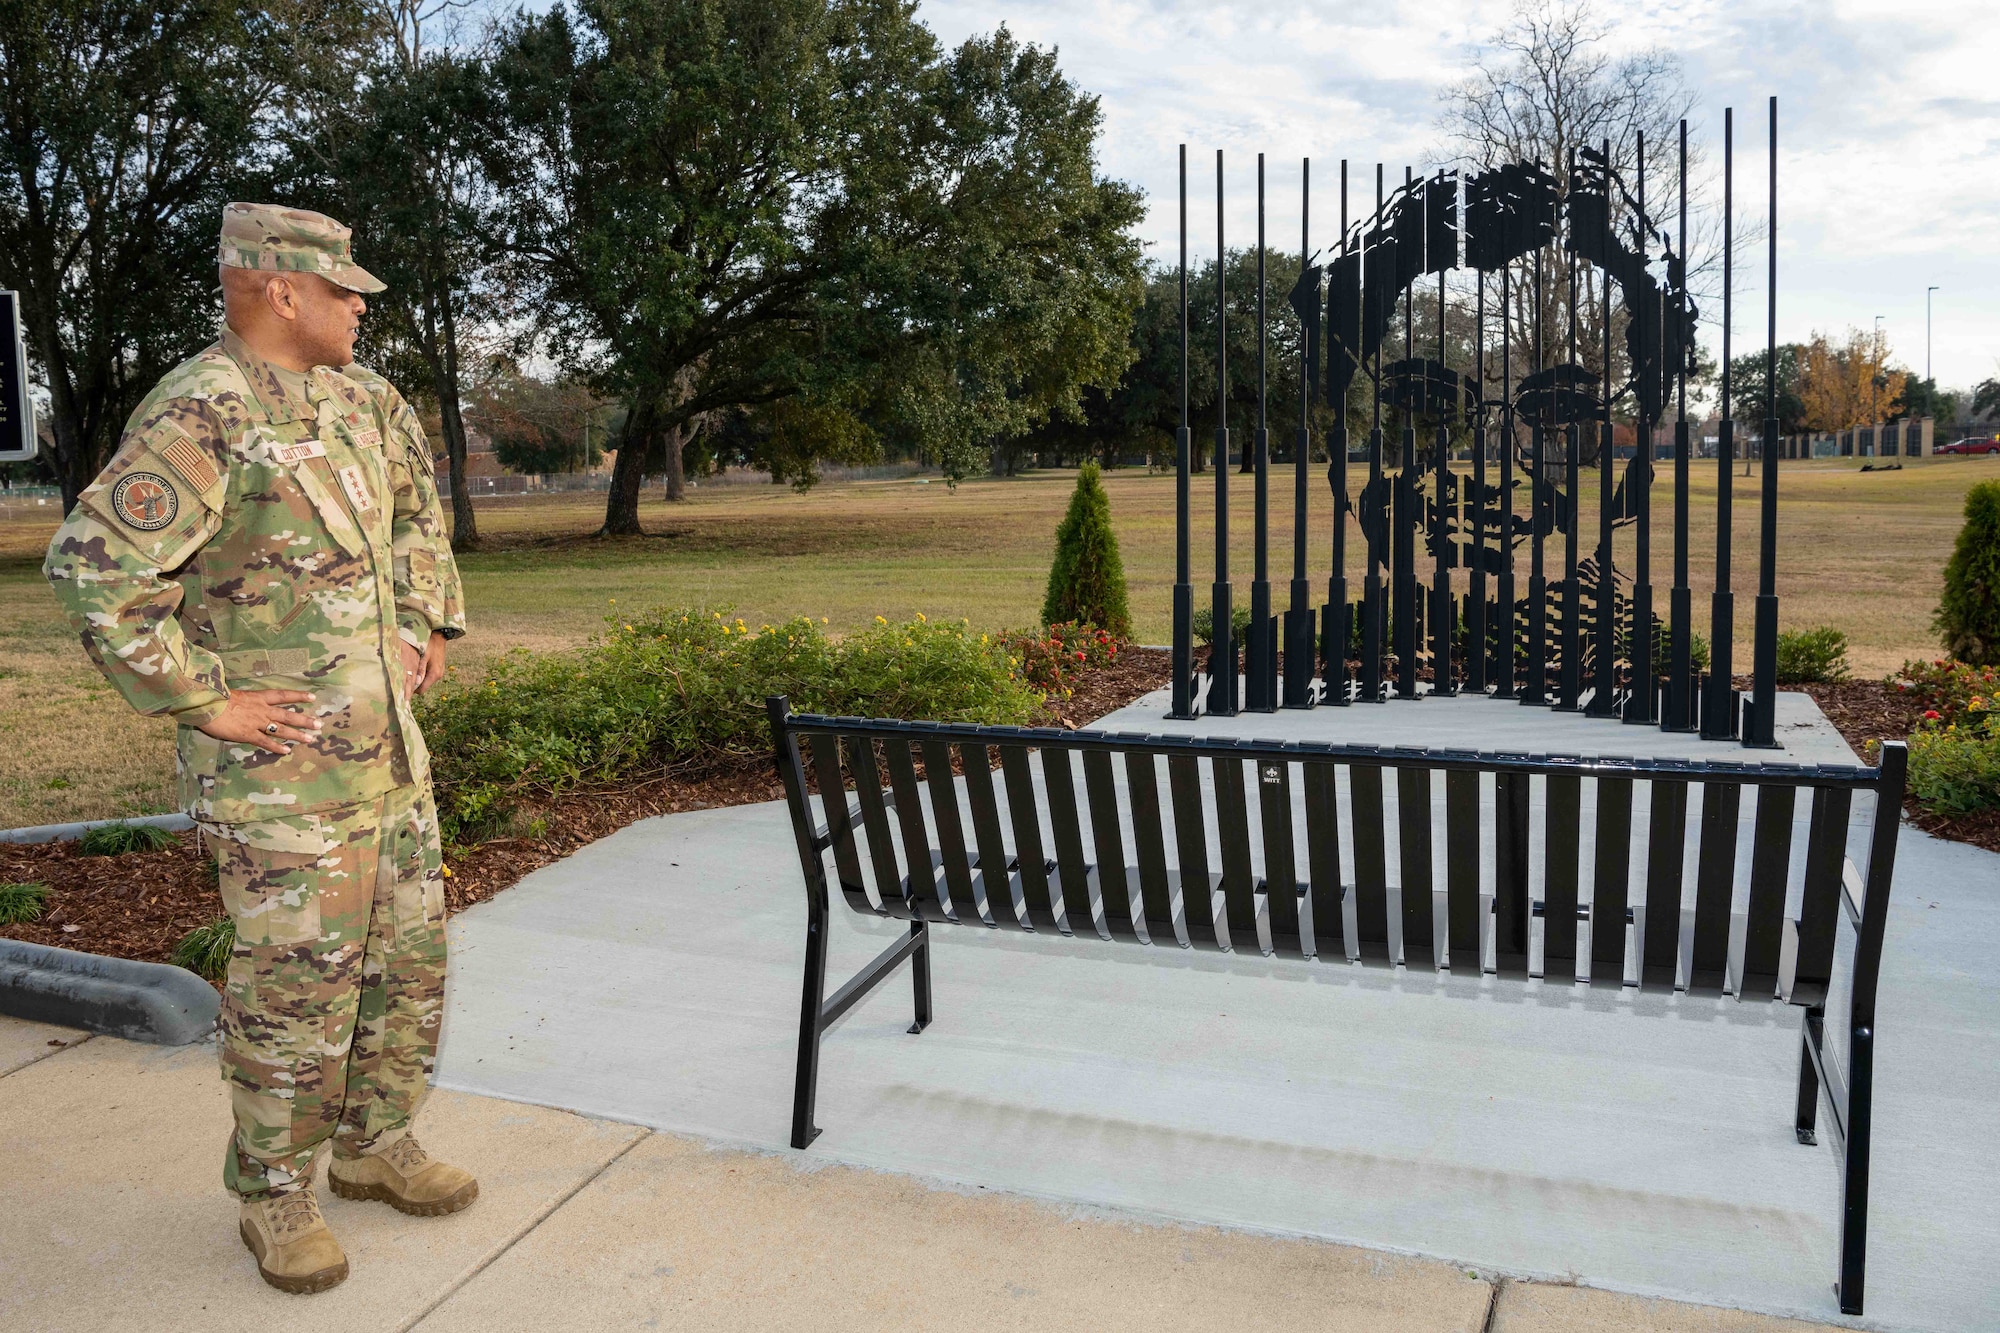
(1027, 863)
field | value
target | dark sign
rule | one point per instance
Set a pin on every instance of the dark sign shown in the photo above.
(17, 414)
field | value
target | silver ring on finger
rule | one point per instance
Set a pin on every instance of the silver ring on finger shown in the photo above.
(270, 729)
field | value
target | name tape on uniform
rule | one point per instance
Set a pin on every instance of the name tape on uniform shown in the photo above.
(298, 453)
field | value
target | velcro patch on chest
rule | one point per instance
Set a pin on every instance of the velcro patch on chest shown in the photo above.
(356, 487)
(368, 439)
(185, 457)
(298, 453)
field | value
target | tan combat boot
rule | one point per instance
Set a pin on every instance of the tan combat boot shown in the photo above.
(406, 1178)
(295, 1252)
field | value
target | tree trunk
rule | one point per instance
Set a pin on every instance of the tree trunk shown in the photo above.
(628, 473)
(440, 348)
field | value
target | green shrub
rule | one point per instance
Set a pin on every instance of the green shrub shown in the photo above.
(1087, 580)
(1968, 615)
(1812, 656)
(121, 838)
(205, 950)
(22, 903)
(680, 685)
(1204, 624)
(1954, 771)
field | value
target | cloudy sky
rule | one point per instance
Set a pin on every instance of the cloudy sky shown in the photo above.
(1889, 155)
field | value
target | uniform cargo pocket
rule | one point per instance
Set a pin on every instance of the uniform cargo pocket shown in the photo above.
(419, 872)
(272, 874)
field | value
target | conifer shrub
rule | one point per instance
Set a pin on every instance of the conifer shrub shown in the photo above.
(1968, 615)
(1087, 580)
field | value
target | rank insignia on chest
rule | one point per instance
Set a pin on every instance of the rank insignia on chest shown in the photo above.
(356, 487)
(145, 500)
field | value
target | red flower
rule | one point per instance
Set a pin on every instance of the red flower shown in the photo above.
(1079, 657)
(1931, 714)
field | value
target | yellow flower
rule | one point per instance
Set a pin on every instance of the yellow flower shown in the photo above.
(447, 871)
(628, 629)
(822, 620)
(920, 617)
(982, 638)
(612, 600)
(881, 620)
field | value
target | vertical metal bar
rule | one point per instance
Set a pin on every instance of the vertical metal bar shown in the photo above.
(1281, 881)
(1770, 866)
(1299, 651)
(889, 882)
(1461, 867)
(1371, 587)
(1714, 883)
(839, 829)
(1760, 729)
(1603, 701)
(1561, 831)
(1503, 675)
(805, 1084)
(1239, 886)
(1409, 516)
(1569, 683)
(1182, 705)
(1477, 649)
(1222, 646)
(1323, 861)
(1442, 682)
(1718, 707)
(925, 895)
(1413, 818)
(1030, 854)
(1511, 908)
(1371, 869)
(951, 832)
(1666, 838)
(1106, 834)
(1535, 689)
(1191, 842)
(1335, 618)
(1680, 709)
(1642, 701)
(1261, 668)
(1819, 906)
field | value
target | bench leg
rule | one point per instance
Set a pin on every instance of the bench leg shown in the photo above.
(920, 975)
(1854, 1184)
(1808, 1112)
(805, 1090)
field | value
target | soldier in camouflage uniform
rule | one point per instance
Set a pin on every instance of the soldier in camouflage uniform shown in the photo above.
(265, 562)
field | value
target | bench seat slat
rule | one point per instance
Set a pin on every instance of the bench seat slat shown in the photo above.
(950, 829)
(996, 880)
(1239, 885)
(1155, 888)
(1274, 807)
(1114, 887)
(1770, 866)
(1562, 824)
(1191, 841)
(1413, 820)
(1030, 855)
(1611, 882)
(1072, 867)
(839, 824)
(890, 886)
(1819, 910)
(1666, 839)
(1510, 875)
(1371, 871)
(1323, 861)
(1715, 880)
(1463, 945)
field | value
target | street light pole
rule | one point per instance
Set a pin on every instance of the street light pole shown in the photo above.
(1927, 335)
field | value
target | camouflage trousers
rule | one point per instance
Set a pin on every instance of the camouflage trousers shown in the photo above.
(335, 989)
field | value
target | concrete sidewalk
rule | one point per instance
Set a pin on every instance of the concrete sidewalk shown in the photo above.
(115, 1218)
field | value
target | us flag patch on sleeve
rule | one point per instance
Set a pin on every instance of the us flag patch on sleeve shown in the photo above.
(184, 457)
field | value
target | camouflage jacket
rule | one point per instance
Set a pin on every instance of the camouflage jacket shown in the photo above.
(248, 536)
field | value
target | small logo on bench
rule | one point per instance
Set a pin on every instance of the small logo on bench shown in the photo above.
(1274, 774)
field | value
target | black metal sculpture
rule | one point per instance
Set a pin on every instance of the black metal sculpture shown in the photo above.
(1583, 642)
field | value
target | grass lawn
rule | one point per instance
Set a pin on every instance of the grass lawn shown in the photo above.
(1859, 551)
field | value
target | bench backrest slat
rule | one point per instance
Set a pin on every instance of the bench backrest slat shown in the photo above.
(1510, 874)
(1239, 886)
(1770, 866)
(1191, 841)
(1562, 819)
(996, 883)
(943, 786)
(1030, 854)
(868, 784)
(1463, 942)
(1611, 881)
(1323, 860)
(1072, 867)
(924, 895)
(1666, 839)
(1371, 871)
(1281, 883)
(1819, 913)
(833, 801)
(1142, 778)
(1413, 820)
(1714, 887)
(1108, 836)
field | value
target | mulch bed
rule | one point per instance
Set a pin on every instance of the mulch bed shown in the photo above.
(1868, 710)
(141, 904)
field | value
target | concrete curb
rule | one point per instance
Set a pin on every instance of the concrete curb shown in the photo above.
(150, 1002)
(175, 823)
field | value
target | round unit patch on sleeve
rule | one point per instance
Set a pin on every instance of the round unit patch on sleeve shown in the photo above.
(145, 500)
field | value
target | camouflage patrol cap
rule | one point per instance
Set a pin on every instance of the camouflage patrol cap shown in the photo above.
(292, 240)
